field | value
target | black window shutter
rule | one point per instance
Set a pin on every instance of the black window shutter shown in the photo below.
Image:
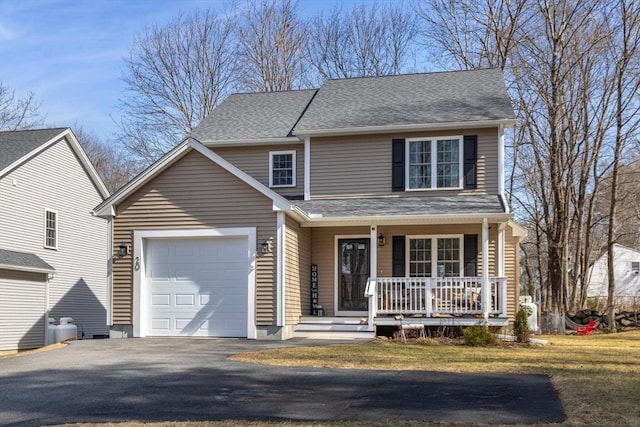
(398, 256)
(397, 165)
(470, 255)
(470, 160)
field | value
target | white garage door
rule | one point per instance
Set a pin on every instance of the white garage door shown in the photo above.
(196, 287)
(22, 309)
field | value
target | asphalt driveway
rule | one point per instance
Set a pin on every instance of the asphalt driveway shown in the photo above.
(191, 379)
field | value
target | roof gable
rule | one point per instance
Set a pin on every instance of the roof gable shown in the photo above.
(107, 208)
(248, 117)
(410, 99)
(17, 147)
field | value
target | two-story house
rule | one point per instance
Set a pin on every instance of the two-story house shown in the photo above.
(361, 200)
(53, 249)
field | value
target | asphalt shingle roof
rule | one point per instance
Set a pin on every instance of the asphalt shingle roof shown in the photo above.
(23, 260)
(247, 116)
(468, 204)
(16, 144)
(409, 99)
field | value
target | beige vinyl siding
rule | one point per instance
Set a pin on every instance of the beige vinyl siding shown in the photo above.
(254, 160)
(512, 271)
(22, 310)
(195, 193)
(297, 271)
(324, 256)
(361, 165)
(55, 179)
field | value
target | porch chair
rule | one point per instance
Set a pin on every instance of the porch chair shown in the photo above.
(587, 329)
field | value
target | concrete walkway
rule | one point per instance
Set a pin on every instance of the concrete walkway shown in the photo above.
(191, 379)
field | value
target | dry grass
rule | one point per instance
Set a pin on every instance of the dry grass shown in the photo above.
(15, 353)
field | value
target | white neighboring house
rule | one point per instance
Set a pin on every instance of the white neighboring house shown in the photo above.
(627, 272)
(54, 252)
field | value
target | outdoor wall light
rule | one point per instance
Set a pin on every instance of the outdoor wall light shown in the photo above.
(123, 250)
(266, 247)
(381, 240)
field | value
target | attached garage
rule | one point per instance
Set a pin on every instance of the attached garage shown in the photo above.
(23, 300)
(195, 283)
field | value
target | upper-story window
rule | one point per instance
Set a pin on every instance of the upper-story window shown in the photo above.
(635, 267)
(282, 168)
(434, 163)
(50, 229)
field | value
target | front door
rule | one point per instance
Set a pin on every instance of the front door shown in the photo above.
(353, 273)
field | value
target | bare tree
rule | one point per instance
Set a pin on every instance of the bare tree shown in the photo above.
(114, 167)
(625, 50)
(368, 40)
(175, 75)
(271, 37)
(17, 112)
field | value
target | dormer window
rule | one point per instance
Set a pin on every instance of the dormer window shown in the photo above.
(434, 163)
(282, 168)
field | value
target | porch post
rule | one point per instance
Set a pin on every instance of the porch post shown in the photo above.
(486, 294)
(373, 273)
(374, 252)
(502, 288)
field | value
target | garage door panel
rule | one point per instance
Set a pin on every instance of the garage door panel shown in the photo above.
(197, 287)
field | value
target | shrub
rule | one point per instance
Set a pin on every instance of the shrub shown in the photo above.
(478, 336)
(426, 341)
(521, 325)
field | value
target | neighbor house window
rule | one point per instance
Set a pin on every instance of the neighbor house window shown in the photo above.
(435, 256)
(282, 169)
(434, 163)
(50, 229)
(635, 267)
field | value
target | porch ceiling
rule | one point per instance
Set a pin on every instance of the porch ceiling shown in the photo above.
(394, 209)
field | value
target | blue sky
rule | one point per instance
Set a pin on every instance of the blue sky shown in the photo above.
(69, 53)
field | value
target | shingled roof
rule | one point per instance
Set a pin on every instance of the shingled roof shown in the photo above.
(23, 261)
(17, 144)
(254, 116)
(401, 206)
(410, 99)
(359, 103)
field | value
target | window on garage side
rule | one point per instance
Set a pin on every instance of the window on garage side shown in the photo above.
(282, 168)
(50, 229)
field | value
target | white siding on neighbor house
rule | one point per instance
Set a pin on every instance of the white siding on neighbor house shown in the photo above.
(55, 180)
(627, 281)
(22, 320)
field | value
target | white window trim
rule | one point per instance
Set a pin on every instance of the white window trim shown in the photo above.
(57, 229)
(434, 251)
(293, 165)
(434, 164)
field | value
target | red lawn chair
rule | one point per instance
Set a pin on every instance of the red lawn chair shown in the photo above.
(587, 329)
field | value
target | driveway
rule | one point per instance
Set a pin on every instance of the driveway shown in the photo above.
(153, 379)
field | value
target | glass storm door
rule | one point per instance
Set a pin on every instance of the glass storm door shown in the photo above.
(353, 273)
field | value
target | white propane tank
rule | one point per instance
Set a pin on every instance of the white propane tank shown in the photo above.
(51, 331)
(532, 319)
(66, 330)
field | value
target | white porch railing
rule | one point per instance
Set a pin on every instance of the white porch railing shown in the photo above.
(429, 296)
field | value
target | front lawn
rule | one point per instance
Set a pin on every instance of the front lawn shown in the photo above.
(597, 376)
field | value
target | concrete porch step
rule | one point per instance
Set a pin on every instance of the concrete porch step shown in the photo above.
(333, 335)
(333, 328)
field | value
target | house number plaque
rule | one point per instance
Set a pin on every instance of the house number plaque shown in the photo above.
(314, 289)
